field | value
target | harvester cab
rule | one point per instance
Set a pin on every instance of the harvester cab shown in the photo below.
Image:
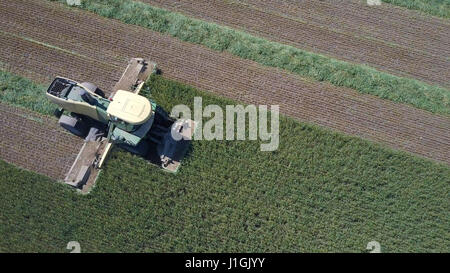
(79, 99)
(125, 119)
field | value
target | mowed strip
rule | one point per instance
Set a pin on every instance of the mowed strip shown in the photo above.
(422, 52)
(43, 62)
(36, 142)
(386, 22)
(398, 126)
(362, 78)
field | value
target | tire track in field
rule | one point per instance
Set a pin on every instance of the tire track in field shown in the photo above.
(337, 29)
(109, 44)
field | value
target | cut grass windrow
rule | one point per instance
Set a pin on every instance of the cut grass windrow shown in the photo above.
(318, 67)
(21, 92)
(440, 8)
(320, 191)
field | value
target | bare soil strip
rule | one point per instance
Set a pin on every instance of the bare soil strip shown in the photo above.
(43, 63)
(398, 126)
(386, 22)
(339, 31)
(36, 142)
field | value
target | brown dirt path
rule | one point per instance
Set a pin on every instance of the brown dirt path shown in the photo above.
(36, 142)
(345, 30)
(96, 38)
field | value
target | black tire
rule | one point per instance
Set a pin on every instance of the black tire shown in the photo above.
(93, 88)
(58, 112)
(73, 125)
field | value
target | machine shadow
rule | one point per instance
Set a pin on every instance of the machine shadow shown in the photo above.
(162, 149)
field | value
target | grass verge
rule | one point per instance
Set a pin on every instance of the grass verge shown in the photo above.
(440, 8)
(320, 191)
(21, 92)
(318, 67)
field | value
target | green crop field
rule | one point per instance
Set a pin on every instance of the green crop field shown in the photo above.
(320, 191)
(362, 78)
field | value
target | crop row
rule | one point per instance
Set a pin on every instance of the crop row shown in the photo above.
(398, 126)
(36, 142)
(361, 78)
(43, 63)
(321, 191)
(424, 64)
(385, 22)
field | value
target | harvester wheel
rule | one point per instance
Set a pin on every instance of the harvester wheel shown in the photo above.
(93, 88)
(73, 125)
(58, 112)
